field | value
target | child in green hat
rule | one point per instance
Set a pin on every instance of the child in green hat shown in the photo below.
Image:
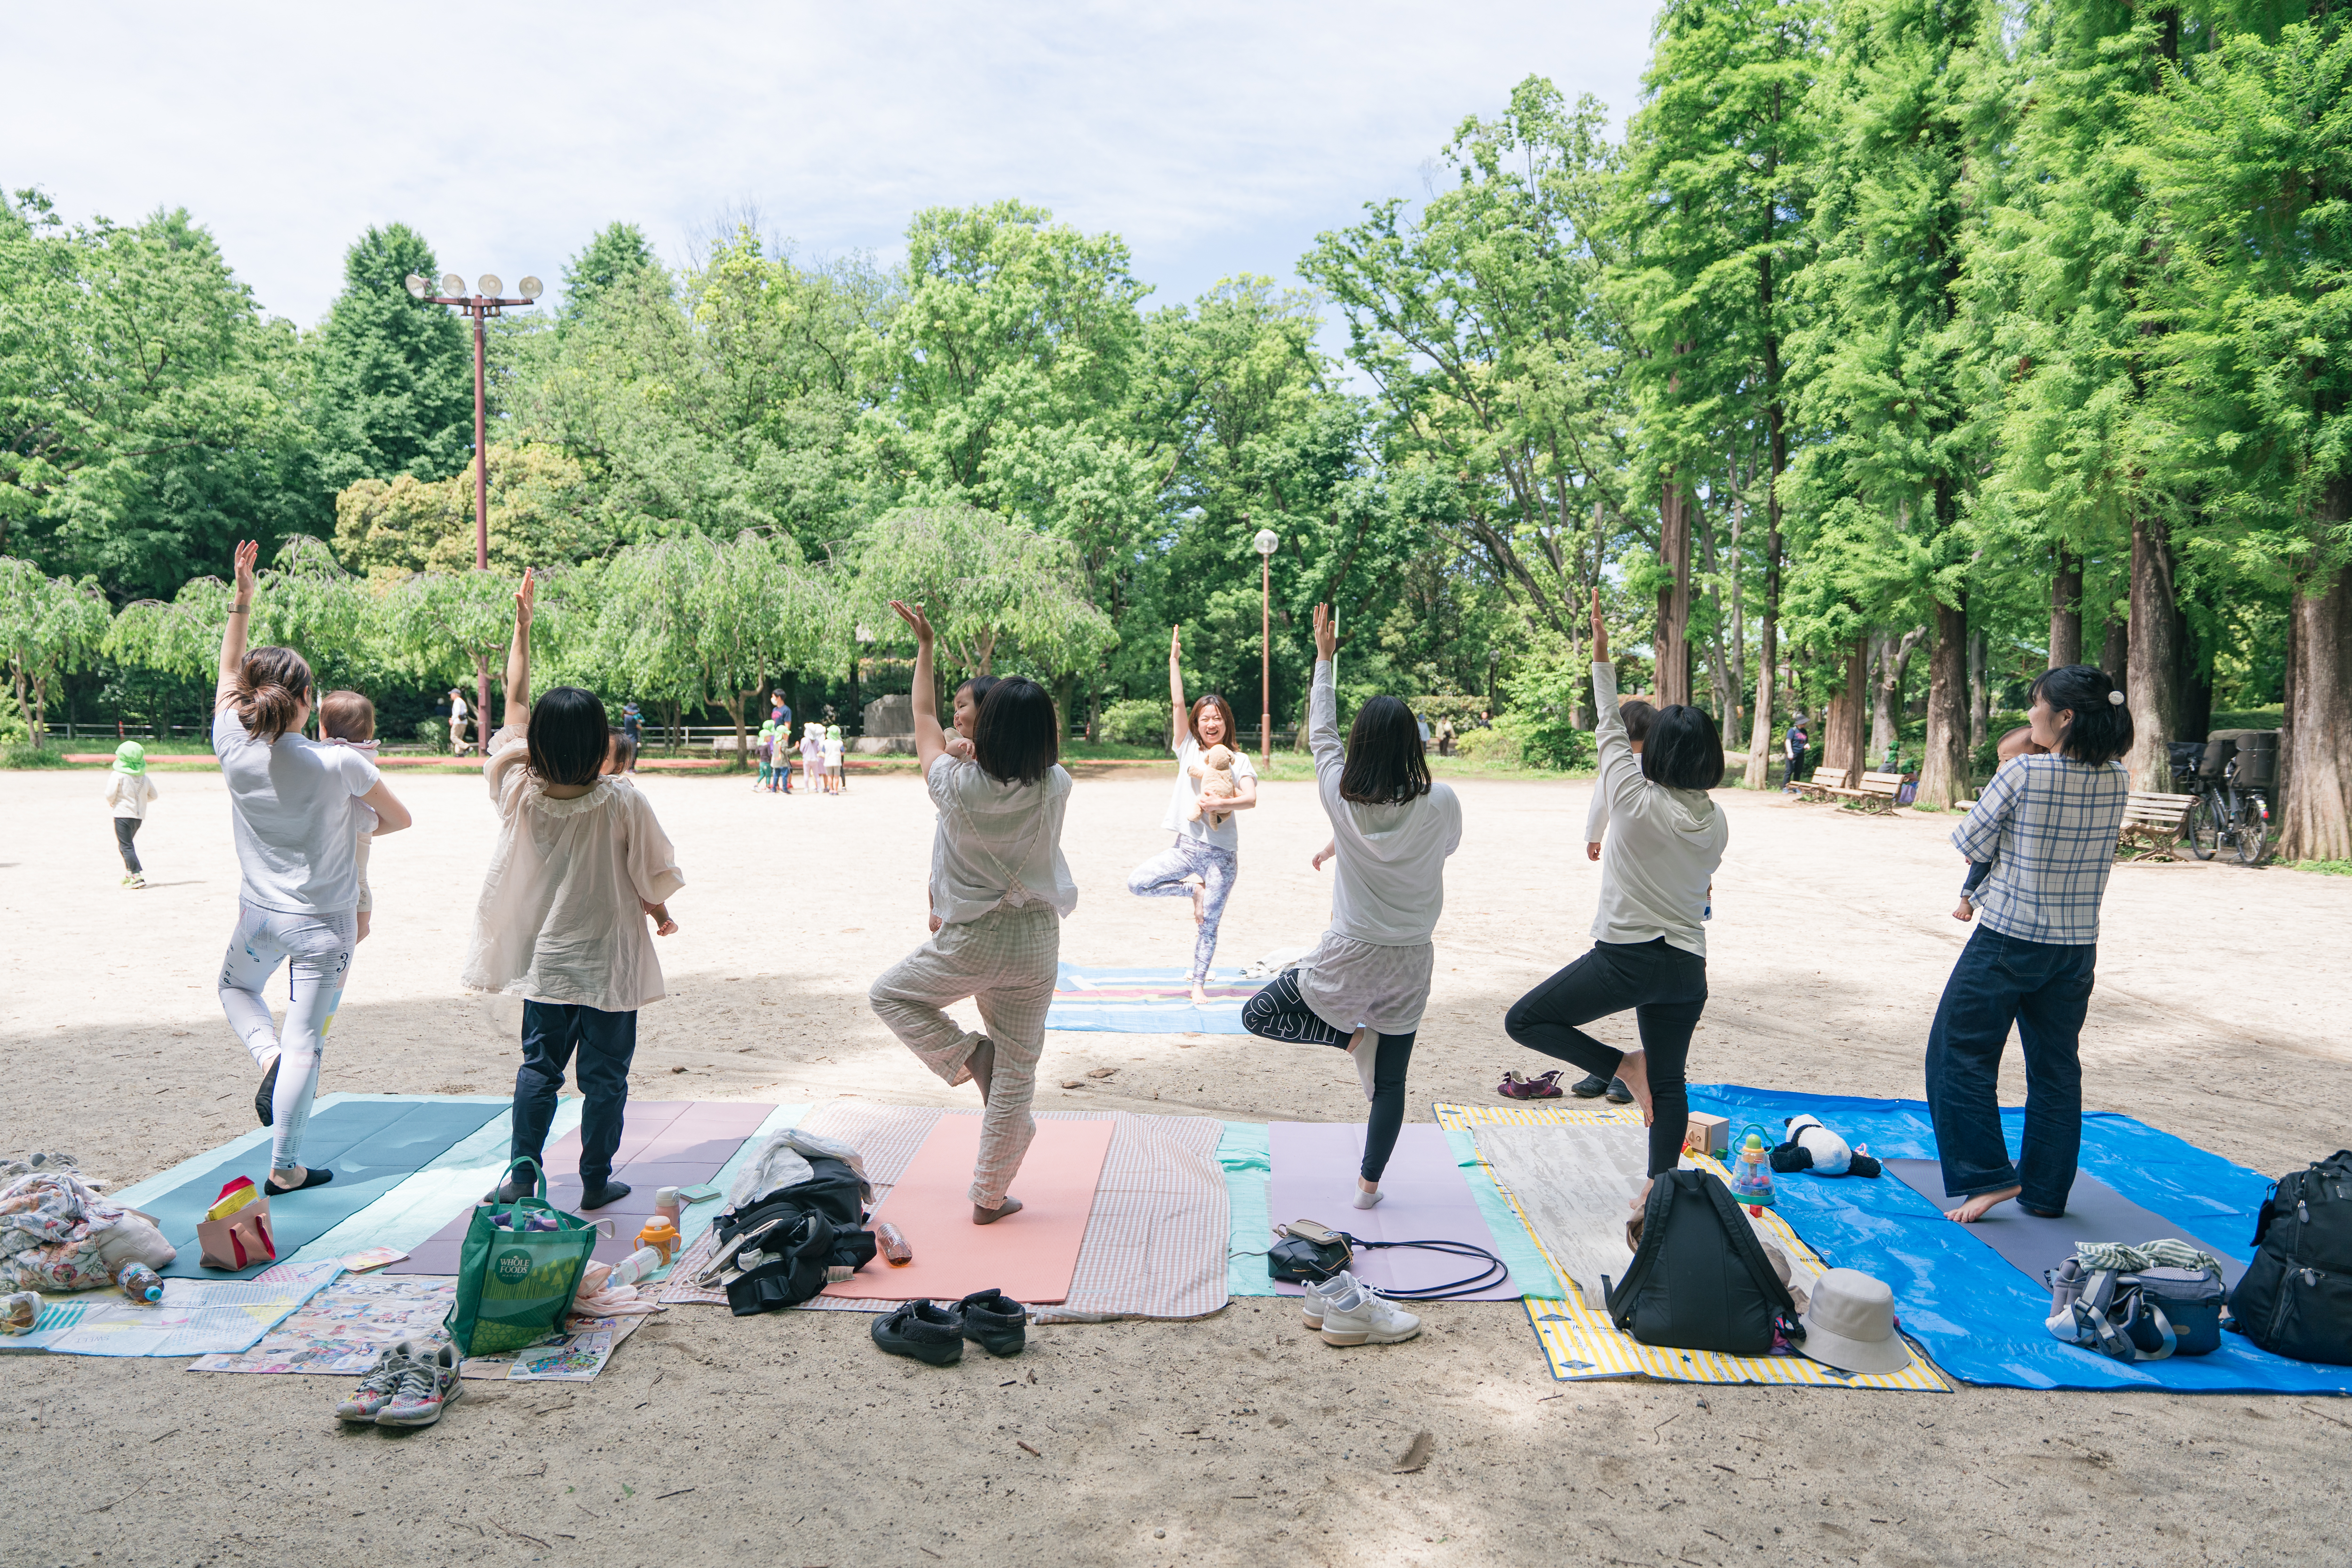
(129, 790)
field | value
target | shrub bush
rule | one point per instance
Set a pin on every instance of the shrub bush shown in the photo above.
(23, 755)
(1498, 746)
(1135, 722)
(1545, 696)
(434, 733)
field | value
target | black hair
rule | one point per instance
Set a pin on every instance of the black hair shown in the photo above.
(2102, 730)
(1639, 716)
(1385, 765)
(978, 686)
(567, 736)
(1017, 736)
(1685, 750)
(620, 754)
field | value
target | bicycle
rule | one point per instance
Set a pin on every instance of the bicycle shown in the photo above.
(2233, 807)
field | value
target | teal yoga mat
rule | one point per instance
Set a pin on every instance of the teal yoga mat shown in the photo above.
(372, 1143)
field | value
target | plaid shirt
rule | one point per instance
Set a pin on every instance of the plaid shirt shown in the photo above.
(2049, 826)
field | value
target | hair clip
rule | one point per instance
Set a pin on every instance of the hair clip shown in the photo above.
(2116, 698)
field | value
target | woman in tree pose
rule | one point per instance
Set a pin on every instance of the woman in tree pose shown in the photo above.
(294, 810)
(1664, 839)
(1366, 983)
(1206, 855)
(1003, 892)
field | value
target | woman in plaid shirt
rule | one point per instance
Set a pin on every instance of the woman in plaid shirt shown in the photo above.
(2047, 826)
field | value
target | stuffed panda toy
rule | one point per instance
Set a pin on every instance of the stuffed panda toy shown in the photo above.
(1813, 1147)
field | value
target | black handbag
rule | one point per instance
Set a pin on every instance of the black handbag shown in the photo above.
(1308, 1253)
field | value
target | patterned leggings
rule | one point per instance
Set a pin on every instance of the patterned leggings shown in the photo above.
(1279, 1012)
(317, 952)
(1162, 876)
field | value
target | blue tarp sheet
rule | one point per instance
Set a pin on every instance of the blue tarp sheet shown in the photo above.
(1977, 1314)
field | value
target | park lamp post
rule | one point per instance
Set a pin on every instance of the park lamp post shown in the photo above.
(1266, 542)
(481, 304)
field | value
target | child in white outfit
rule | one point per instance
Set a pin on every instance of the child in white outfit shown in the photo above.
(129, 790)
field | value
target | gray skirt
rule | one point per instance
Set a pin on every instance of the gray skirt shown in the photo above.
(1351, 984)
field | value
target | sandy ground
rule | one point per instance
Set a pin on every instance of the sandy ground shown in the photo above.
(2219, 1017)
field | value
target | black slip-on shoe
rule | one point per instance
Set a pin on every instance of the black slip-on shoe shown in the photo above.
(995, 1321)
(1589, 1087)
(264, 1098)
(601, 1193)
(922, 1329)
(1617, 1093)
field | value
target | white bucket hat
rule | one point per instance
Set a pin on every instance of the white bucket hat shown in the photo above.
(1851, 1324)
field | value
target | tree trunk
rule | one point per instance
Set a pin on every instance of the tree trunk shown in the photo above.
(1671, 682)
(2317, 747)
(1893, 662)
(733, 703)
(2115, 658)
(1944, 777)
(2154, 660)
(1768, 647)
(2066, 610)
(1979, 694)
(1842, 722)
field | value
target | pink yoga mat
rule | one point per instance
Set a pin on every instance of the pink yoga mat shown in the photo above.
(1314, 1177)
(1030, 1255)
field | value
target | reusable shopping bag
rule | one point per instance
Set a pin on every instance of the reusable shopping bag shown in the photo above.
(518, 1271)
(234, 1231)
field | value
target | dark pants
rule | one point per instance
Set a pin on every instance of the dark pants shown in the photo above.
(1279, 1012)
(125, 830)
(1667, 988)
(605, 1042)
(1796, 769)
(2045, 990)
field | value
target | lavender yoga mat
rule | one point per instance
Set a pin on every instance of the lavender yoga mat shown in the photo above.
(1429, 1199)
(2095, 1212)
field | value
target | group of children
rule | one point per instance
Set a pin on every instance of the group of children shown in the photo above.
(820, 748)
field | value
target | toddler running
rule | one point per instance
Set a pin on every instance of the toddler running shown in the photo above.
(129, 792)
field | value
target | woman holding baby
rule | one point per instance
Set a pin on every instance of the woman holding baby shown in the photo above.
(1201, 862)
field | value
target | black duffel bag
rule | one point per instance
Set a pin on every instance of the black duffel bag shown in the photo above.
(779, 1250)
(2295, 1298)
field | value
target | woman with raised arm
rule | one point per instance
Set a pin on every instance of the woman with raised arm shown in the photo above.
(1658, 857)
(293, 808)
(1206, 854)
(1002, 891)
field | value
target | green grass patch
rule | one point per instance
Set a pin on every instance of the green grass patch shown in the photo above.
(24, 756)
(2325, 868)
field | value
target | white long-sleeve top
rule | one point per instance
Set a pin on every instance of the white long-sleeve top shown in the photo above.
(1661, 848)
(129, 793)
(1389, 886)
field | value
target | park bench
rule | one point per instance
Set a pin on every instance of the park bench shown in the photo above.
(2153, 823)
(1824, 783)
(1877, 793)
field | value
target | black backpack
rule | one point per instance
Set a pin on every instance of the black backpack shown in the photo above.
(796, 1234)
(2295, 1298)
(1699, 1280)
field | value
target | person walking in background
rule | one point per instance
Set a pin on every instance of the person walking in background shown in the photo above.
(2047, 824)
(1665, 837)
(1206, 855)
(292, 812)
(1365, 986)
(1007, 891)
(835, 781)
(633, 725)
(780, 712)
(457, 715)
(581, 866)
(766, 745)
(1792, 746)
(129, 792)
(812, 758)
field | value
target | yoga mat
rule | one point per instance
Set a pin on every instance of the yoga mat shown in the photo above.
(1314, 1177)
(1032, 1255)
(1242, 1151)
(664, 1142)
(1576, 1185)
(372, 1143)
(1148, 1001)
(1977, 1314)
(2095, 1212)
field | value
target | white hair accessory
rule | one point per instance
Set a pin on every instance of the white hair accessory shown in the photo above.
(2116, 698)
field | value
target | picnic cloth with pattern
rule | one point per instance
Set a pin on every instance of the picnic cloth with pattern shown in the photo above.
(1148, 1001)
(1155, 1241)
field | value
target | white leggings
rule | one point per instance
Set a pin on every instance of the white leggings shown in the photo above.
(317, 951)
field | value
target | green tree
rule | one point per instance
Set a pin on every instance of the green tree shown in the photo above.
(544, 511)
(393, 379)
(618, 260)
(48, 628)
(991, 588)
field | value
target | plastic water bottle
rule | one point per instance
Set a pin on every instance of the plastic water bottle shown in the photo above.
(140, 1283)
(634, 1267)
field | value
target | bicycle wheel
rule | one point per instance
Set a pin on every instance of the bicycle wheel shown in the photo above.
(2252, 838)
(2204, 828)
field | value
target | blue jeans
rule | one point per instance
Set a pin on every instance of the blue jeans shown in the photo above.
(605, 1042)
(2044, 990)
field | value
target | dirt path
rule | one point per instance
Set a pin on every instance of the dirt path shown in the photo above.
(2219, 1017)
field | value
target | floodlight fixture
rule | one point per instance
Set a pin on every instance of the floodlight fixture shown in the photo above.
(530, 288)
(417, 288)
(489, 285)
(451, 284)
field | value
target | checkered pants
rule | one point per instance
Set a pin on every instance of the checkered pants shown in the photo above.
(1006, 961)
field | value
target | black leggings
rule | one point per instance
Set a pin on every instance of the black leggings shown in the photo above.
(1279, 1012)
(125, 830)
(1667, 988)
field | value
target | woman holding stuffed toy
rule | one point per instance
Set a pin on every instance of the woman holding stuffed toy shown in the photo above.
(1658, 858)
(1203, 860)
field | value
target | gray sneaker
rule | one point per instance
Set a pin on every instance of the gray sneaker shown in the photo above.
(427, 1385)
(382, 1380)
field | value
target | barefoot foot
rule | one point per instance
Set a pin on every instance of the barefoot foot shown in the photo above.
(1199, 996)
(1642, 1198)
(1633, 1072)
(1974, 1209)
(1199, 898)
(990, 1216)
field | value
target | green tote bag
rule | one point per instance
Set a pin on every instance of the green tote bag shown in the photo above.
(518, 1274)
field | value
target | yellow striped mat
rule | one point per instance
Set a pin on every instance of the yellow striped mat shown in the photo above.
(1579, 1342)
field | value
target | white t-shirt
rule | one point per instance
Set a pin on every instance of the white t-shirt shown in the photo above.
(1389, 886)
(295, 809)
(831, 751)
(998, 844)
(129, 794)
(1663, 845)
(1227, 834)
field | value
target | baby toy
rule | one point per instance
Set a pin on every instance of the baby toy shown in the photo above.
(1217, 784)
(1813, 1147)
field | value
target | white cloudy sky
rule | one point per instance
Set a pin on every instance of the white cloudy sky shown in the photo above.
(1216, 138)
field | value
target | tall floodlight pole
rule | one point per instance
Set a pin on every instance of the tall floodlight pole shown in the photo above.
(480, 306)
(1266, 540)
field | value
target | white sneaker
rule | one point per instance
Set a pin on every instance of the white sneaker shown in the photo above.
(1364, 1046)
(1353, 1315)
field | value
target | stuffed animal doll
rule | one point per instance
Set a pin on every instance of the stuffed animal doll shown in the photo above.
(1813, 1147)
(1217, 784)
